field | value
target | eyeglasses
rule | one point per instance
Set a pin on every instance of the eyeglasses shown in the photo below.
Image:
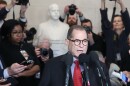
(78, 42)
(17, 33)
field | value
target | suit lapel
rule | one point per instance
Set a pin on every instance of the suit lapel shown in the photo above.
(70, 75)
(70, 79)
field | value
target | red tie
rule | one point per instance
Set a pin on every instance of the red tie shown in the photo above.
(77, 77)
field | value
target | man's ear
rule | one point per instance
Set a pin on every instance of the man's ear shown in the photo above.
(67, 42)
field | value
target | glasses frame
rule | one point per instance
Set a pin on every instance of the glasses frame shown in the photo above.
(78, 42)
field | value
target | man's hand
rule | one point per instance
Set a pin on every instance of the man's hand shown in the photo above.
(79, 12)
(120, 2)
(16, 68)
(12, 4)
(90, 37)
(23, 10)
(38, 52)
(21, 73)
(66, 9)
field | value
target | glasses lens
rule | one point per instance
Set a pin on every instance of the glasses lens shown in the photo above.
(77, 42)
(85, 42)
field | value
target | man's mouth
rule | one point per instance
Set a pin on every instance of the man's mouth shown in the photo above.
(80, 50)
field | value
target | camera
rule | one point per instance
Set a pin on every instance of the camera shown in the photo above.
(88, 29)
(30, 33)
(22, 2)
(44, 51)
(72, 9)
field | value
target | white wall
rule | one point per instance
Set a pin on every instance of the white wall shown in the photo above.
(37, 11)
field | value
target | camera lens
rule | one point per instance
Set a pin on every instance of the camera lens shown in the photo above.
(72, 9)
(87, 28)
(44, 52)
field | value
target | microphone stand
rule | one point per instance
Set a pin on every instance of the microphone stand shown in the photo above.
(99, 74)
(67, 75)
(86, 74)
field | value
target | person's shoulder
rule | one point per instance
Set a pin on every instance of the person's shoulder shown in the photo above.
(56, 60)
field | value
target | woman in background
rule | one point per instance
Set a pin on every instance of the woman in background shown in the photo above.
(14, 50)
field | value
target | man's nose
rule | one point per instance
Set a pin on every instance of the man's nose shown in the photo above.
(81, 44)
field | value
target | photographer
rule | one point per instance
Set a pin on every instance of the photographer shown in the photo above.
(43, 51)
(116, 33)
(72, 12)
(96, 42)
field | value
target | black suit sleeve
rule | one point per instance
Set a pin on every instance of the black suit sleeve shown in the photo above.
(61, 19)
(126, 21)
(1, 72)
(106, 25)
(3, 13)
(105, 69)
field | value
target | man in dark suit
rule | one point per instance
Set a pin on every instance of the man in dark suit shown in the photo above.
(96, 42)
(54, 73)
(6, 73)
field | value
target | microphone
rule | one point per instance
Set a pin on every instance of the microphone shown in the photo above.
(84, 59)
(94, 58)
(68, 59)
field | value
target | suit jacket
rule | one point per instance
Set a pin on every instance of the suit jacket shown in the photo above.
(54, 74)
(3, 13)
(99, 44)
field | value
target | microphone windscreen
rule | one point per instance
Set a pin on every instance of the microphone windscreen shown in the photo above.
(83, 58)
(93, 56)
